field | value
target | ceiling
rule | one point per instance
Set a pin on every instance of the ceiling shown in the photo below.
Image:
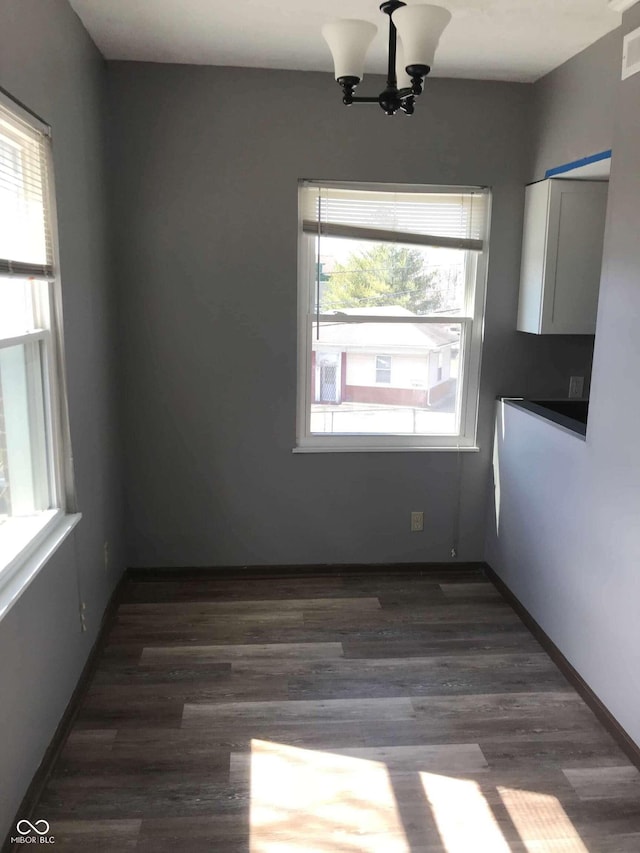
(487, 39)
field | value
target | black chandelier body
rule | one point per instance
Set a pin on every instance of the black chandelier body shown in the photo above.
(391, 99)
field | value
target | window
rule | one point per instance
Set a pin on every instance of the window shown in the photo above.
(383, 369)
(34, 457)
(390, 275)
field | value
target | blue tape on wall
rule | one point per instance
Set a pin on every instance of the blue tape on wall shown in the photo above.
(586, 161)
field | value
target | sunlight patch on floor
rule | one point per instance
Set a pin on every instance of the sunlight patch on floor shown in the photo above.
(305, 800)
(463, 817)
(313, 801)
(541, 821)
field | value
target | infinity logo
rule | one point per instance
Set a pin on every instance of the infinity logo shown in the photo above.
(32, 827)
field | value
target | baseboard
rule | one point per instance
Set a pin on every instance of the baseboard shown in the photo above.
(41, 776)
(624, 740)
(295, 570)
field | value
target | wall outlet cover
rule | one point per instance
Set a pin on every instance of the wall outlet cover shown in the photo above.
(576, 386)
(417, 522)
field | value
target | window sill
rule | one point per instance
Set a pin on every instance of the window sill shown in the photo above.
(27, 550)
(378, 449)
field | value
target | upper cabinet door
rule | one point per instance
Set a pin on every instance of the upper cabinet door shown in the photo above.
(562, 257)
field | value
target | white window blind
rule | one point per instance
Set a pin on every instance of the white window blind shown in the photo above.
(25, 235)
(455, 219)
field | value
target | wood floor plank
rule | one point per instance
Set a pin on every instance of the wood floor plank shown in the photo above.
(195, 834)
(227, 589)
(603, 782)
(174, 691)
(101, 836)
(227, 653)
(146, 673)
(134, 714)
(164, 751)
(196, 619)
(463, 675)
(444, 640)
(577, 749)
(418, 614)
(299, 711)
(135, 795)
(470, 591)
(82, 739)
(261, 608)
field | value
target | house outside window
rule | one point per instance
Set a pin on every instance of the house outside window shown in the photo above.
(36, 488)
(390, 277)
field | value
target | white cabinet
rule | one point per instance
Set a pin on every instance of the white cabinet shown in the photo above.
(562, 257)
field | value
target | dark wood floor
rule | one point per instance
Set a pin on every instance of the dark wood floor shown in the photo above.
(389, 712)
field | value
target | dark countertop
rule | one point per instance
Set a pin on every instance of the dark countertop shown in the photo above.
(569, 414)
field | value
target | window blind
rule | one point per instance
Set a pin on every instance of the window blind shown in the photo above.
(25, 231)
(456, 219)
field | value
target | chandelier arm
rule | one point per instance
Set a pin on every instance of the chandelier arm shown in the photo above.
(403, 94)
(408, 105)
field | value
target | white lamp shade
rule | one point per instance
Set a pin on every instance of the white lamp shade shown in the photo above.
(404, 81)
(349, 41)
(420, 28)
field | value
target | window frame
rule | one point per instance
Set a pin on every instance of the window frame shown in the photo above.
(471, 340)
(32, 539)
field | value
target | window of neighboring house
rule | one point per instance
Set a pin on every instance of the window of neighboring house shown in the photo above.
(35, 473)
(383, 369)
(398, 270)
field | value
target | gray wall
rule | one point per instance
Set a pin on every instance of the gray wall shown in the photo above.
(569, 544)
(573, 107)
(205, 165)
(48, 62)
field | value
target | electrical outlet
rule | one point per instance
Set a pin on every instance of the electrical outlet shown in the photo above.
(576, 386)
(417, 522)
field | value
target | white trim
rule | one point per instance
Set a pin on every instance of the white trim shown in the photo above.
(26, 338)
(394, 187)
(472, 322)
(60, 425)
(18, 574)
(621, 5)
(457, 448)
(30, 541)
(24, 114)
(338, 318)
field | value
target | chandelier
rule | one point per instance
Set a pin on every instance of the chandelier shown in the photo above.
(414, 33)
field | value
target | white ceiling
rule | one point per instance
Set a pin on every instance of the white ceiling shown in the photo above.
(487, 39)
